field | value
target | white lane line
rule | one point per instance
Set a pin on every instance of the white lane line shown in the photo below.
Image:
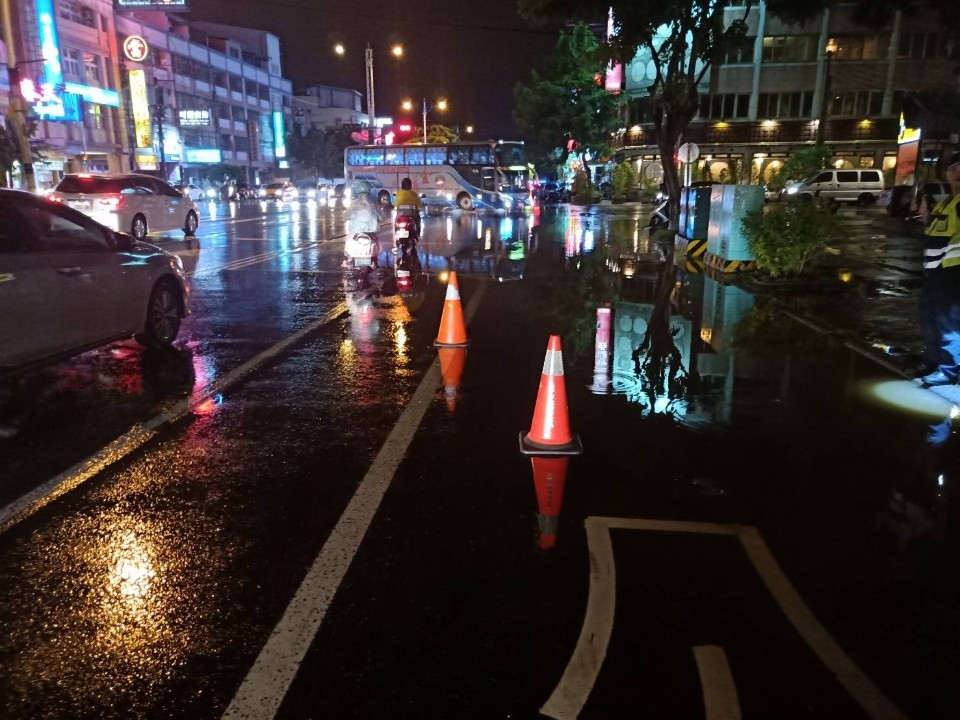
(719, 690)
(263, 689)
(579, 677)
(139, 434)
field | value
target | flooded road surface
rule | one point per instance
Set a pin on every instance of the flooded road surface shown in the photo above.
(339, 521)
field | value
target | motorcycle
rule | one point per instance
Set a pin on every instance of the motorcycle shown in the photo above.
(406, 236)
(360, 251)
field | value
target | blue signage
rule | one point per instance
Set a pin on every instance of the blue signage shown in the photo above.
(100, 96)
(279, 142)
(49, 100)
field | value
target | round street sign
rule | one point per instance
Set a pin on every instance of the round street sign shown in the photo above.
(688, 152)
(135, 48)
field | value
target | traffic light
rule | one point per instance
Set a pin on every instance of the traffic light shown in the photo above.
(404, 131)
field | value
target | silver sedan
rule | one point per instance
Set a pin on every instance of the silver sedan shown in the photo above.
(69, 284)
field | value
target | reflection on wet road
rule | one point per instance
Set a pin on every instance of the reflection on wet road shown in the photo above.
(149, 584)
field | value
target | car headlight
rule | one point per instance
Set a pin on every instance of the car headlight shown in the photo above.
(791, 190)
(211, 193)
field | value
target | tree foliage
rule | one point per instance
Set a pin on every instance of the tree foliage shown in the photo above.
(785, 237)
(802, 163)
(318, 153)
(563, 109)
(683, 38)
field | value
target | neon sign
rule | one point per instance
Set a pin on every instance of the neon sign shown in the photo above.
(47, 99)
(142, 125)
(135, 48)
(279, 144)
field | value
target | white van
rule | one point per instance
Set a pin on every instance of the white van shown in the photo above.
(857, 186)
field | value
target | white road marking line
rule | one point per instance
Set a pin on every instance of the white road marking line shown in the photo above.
(139, 434)
(263, 689)
(579, 677)
(719, 690)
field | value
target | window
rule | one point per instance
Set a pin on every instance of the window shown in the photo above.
(93, 116)
(481, 155)
(78, 13)
(436, 155)
(789, 48)
(414, 155)
(459, 156)
(847, 176)
(91, 68)
(394, 156)
(59, 229)
(71, 62)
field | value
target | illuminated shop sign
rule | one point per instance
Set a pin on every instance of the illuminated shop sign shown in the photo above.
(202, 155)
(166, 5)
(135, 48)
(46, 96)
(194, 118)
(140, 105)
(100, 96)
(279, 143)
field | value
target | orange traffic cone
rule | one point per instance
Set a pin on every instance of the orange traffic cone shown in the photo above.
(452, 360)
(549, 476)
(453, 331)
(550, 431)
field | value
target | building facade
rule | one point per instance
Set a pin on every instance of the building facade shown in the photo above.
(327, 108)
(112, 90)
(829, 79)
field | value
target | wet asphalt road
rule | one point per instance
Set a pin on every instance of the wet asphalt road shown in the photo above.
(328, 532)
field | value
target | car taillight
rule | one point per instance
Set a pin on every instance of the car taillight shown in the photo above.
(54, 198)
(112, 201)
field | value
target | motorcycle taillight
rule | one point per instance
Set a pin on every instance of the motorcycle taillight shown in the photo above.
(403, 222)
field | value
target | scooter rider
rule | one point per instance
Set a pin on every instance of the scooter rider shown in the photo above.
(363, 216)
(407, 199)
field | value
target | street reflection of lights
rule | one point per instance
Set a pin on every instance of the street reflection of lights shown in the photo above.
(487, 239)
(845, 276)
(232, 209)
(401, 335)
(479, 229)
(443, 276)
(449, 229)
(208, 406)
(133, 571)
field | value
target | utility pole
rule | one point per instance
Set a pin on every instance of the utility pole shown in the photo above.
(18, 112)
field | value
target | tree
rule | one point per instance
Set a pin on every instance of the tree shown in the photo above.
(318, 153)
(802, 163)
(683, 38)
(563, 109)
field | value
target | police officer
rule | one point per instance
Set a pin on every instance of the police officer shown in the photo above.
(940, 297)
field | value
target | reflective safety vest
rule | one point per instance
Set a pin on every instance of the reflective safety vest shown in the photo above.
(943, 236)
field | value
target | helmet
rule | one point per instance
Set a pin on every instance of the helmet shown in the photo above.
(363, 188)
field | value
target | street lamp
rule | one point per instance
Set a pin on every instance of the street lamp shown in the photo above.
(439, 105)
(396, 51)
(830, 49)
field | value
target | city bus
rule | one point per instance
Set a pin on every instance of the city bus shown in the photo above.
(482, 175)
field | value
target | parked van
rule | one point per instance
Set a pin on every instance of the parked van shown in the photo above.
(856, 186)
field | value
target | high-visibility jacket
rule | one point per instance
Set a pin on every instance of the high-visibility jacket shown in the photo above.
(943, 236)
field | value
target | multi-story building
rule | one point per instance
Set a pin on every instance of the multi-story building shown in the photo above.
(118, 90)
(327, 108)
(829, 79)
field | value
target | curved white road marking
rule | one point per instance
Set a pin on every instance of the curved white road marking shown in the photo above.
(263, 689)
(719, 691)
(580, 675)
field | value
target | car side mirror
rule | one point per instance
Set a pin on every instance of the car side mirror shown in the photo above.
(123, 242)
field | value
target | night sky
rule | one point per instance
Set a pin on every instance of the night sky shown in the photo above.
(471, 53)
